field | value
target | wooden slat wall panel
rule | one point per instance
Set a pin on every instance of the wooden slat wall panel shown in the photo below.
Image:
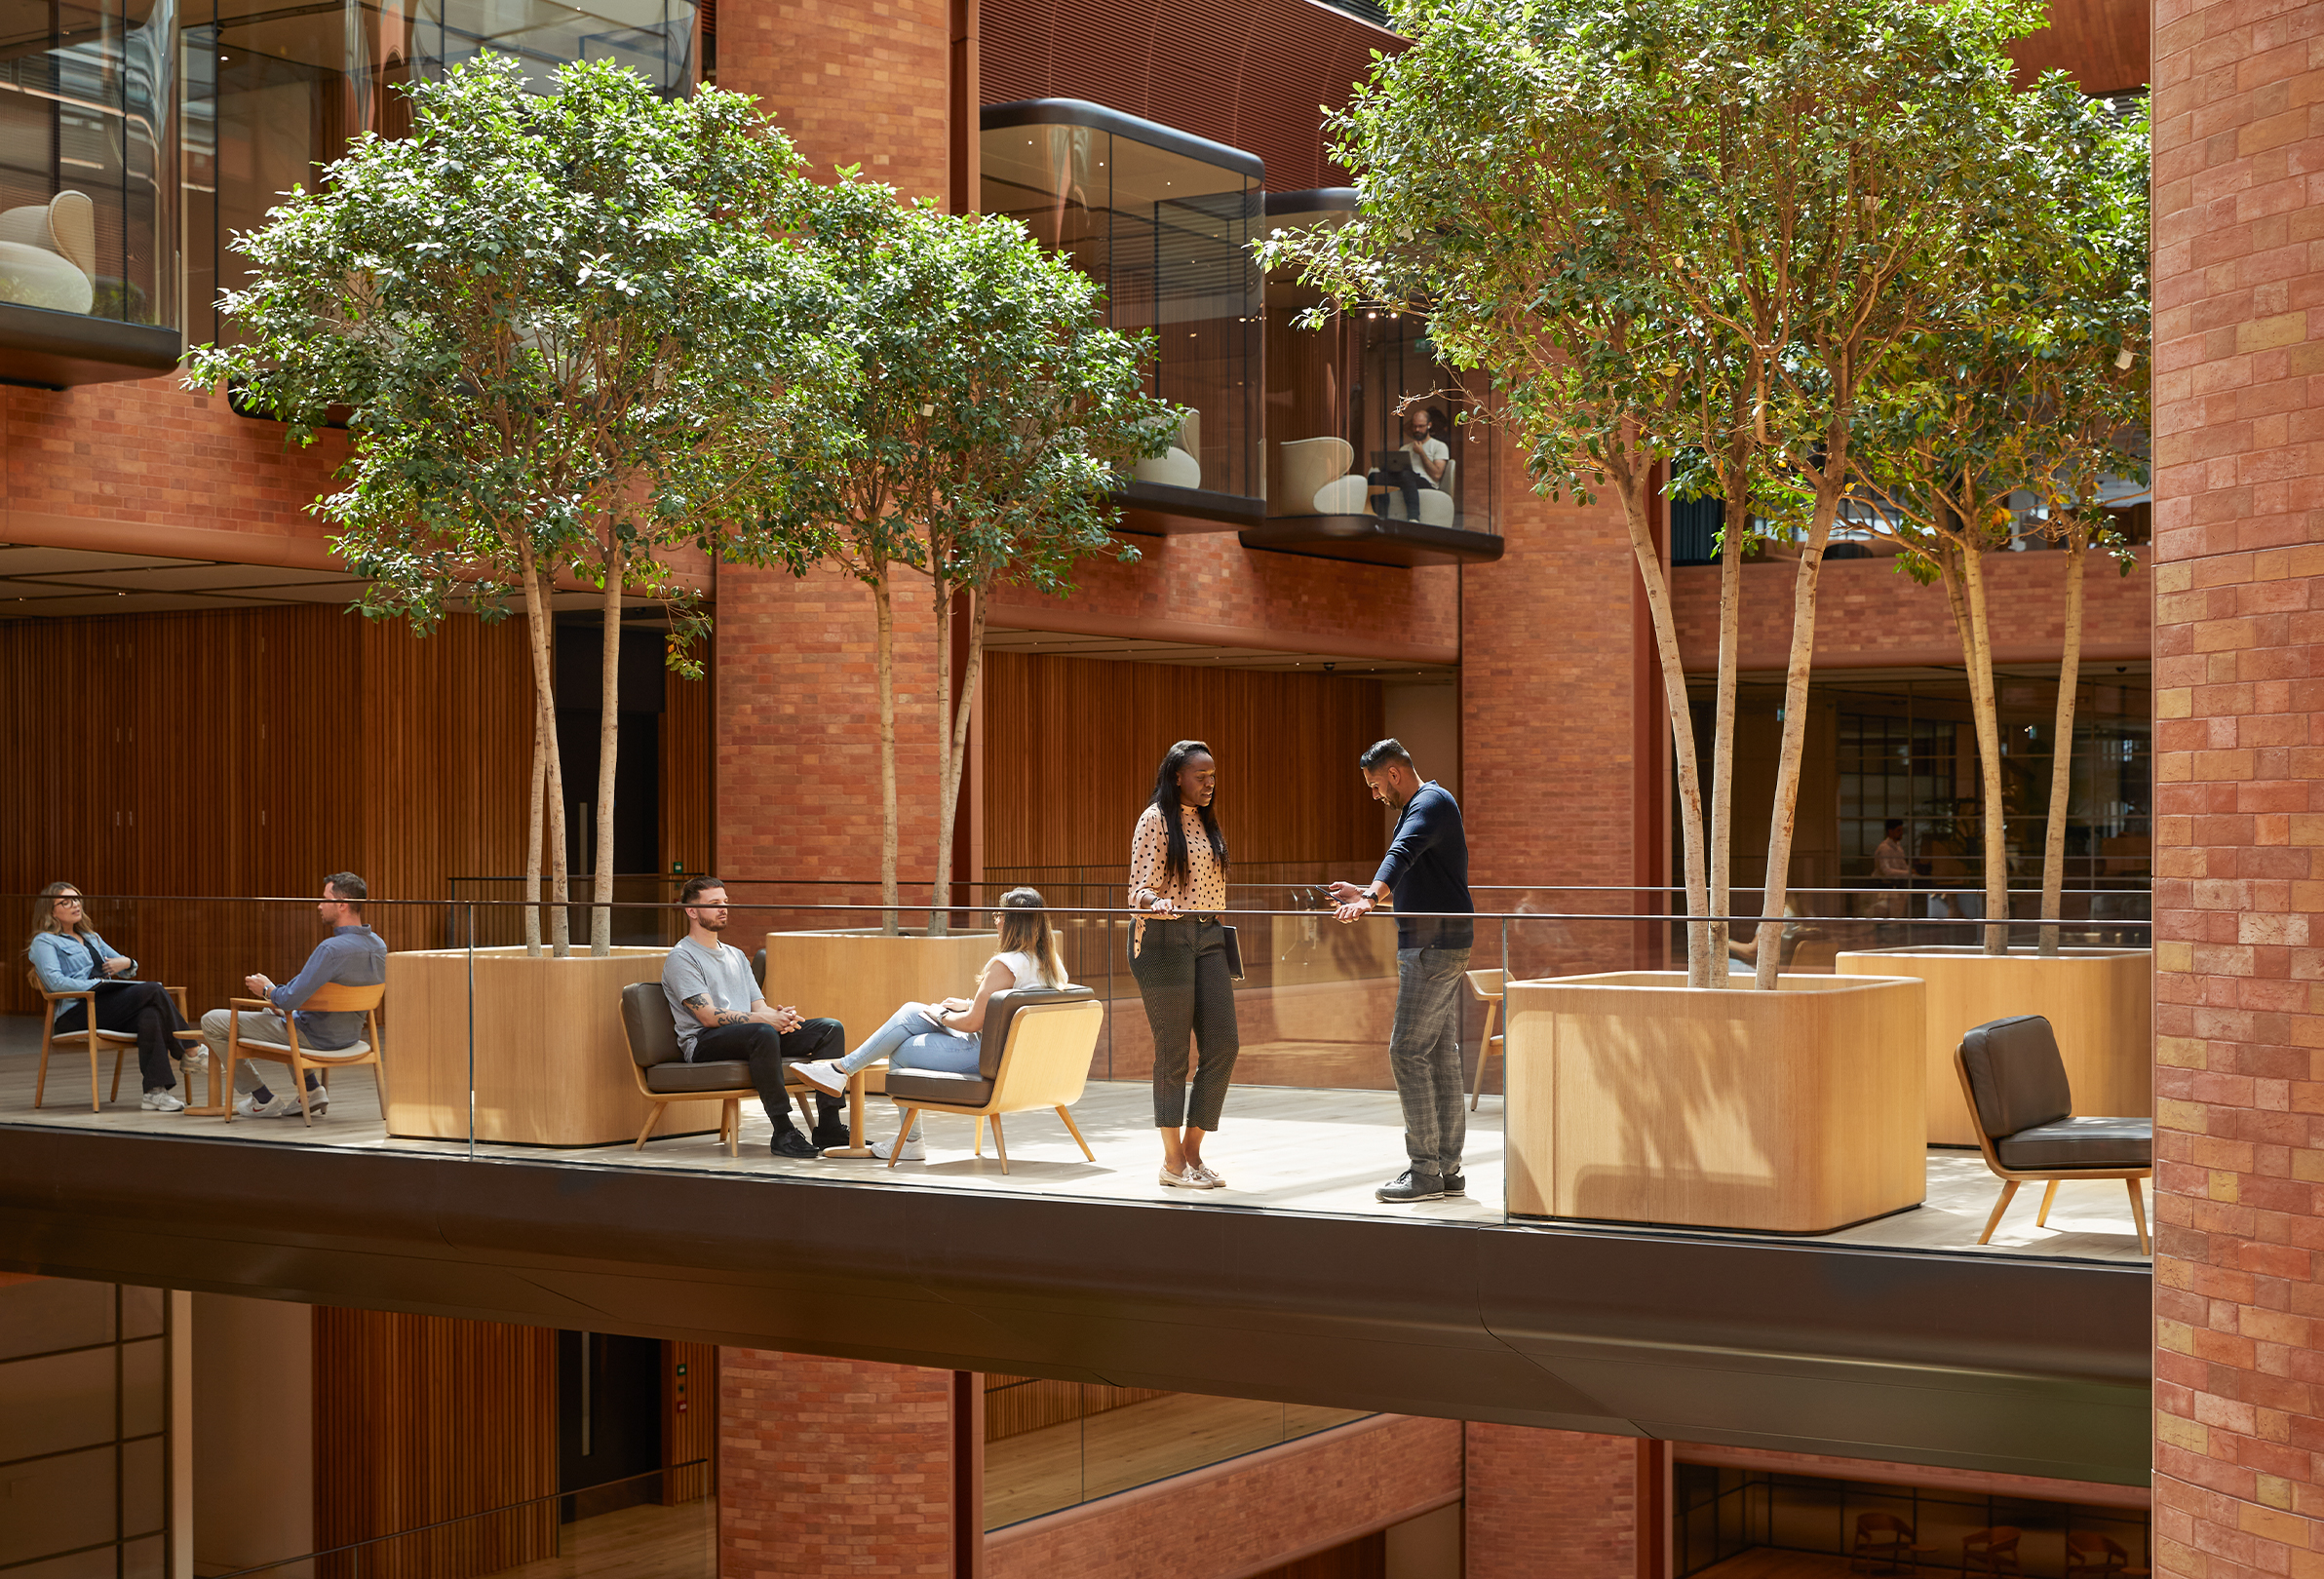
(1017, 1405)
(253, 752)
(690, 1433)
(1071, 744)
(419, 1419)
(688, 767)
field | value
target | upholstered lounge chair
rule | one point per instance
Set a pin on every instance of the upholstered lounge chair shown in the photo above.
(664, 1076)
(1037, 1047)
(48, 253)
(1182, 467)
(2016, 1087)
(1316, 476)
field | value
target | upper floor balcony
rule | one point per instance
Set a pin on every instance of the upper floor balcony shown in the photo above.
(1686, 1214)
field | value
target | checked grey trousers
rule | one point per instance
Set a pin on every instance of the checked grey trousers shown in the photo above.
(1425, 1056)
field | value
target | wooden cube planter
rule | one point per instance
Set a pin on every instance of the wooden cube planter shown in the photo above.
(552, 1067)
(2099, 1001)
(861, 978)
(1634, 1097)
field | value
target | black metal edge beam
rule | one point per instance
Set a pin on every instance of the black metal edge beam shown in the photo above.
(52, 350)
(1372, 540)
(1154, 133)
(1996, 1363)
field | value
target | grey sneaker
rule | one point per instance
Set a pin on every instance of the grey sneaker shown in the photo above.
(163, 1101)
(1457, 1183)
(1411, 1185)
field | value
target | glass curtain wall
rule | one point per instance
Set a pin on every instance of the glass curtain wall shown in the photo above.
(272, 92)
(87, 167)
(1164, 223)
(1345, 403)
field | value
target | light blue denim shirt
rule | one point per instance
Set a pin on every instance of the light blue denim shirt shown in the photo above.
(63, 965)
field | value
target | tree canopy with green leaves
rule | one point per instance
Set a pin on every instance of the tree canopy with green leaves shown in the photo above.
(991, 423)
(1684, 232)
(569, 333)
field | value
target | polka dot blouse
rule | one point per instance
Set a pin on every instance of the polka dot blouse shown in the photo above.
(1203, 893)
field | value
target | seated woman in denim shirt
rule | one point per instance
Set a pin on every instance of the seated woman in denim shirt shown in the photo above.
(68, 956)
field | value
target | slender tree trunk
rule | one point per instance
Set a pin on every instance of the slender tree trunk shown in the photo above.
(952, 770)
(540, 637)
(532, 839)
(2069, 673)
(602, 861)
(1986, 713)
(1770, 953)
(883, 613)
(1736, 489)
(1700, 965)
(940, 888)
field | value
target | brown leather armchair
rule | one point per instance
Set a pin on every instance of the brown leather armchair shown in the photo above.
(1034, 1052)
(2016, 1087)
(664, 1076)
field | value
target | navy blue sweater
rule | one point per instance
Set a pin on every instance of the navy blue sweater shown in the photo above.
(1427, 869)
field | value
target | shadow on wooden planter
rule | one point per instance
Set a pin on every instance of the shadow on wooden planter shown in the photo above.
(1632, 1098)
(861, 978)
(551, 1066)
(2099, 1001)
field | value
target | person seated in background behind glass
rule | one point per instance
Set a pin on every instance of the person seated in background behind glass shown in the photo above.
(1425, 468)
(68, 956)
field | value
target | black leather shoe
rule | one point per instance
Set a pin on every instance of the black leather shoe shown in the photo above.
(1457, 1183)
(828, 1136)
(788, 1143)
(1411, 1185)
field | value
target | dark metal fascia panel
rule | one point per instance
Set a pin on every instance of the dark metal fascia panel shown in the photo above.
(1314, 199)
(2002, 1363)
(1154, 134)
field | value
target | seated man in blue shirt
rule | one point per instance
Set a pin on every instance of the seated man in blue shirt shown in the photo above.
(719, 1015)
(352, 954)
(1428, 873)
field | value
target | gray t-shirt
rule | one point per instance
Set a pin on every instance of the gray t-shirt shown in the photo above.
(692, 970)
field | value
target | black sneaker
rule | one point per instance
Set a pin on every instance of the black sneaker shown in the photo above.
(1411, 1185)
(828, 1136)
(788, 1143)
(1457, 1183)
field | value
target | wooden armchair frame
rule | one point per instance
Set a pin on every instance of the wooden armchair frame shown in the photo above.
(1045, 1063)
(2012, 1178)
(330, 998)
(1489, 987)
(120, 1041)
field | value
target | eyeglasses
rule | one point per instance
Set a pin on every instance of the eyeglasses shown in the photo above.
(72, 902)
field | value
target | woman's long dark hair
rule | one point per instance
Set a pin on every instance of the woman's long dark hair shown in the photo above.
(1166, 801)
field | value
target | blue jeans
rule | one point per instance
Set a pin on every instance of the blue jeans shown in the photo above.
(911, 1039)
(1424, 1055)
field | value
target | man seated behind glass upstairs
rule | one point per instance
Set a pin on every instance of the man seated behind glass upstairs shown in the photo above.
(720, 1017)
(350, 954)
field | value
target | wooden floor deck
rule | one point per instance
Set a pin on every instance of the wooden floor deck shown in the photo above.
(1283, 1148)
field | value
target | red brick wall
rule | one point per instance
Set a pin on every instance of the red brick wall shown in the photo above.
(852, 82)
(1561, 1502)
(831, 1466)
(2239, 682)
(1549, 769)
(1867, 615)
(1246, 1516)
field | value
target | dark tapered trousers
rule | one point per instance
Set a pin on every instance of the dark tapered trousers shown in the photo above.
(144, 1008)
(1182, 973)
(766, 1051)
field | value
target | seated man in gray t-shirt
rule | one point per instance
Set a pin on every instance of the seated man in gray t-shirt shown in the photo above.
(720, 1015)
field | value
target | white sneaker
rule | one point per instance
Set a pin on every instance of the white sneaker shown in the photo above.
(913, 1150)
(824, 1075)
(198, 1059)
(247, 1106)
(163, 1101)
(1190, 1180)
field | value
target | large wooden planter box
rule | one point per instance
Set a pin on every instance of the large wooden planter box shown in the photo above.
(552, 1067)
(861, 978)
(2099, 1001)
(1632, 1098)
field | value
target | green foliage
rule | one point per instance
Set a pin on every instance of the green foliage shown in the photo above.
(564, 330)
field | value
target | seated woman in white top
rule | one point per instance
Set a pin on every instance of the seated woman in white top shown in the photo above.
(944, 1035)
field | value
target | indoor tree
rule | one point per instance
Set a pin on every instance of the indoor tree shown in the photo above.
(994, 416)
(566, 329)
(1678, 228)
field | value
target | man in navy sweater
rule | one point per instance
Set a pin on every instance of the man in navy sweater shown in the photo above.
(1426, 873)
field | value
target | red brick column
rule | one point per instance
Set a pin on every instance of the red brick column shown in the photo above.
(1551, 1502)
(2239, 681)
(852, 82)
(833, 1467)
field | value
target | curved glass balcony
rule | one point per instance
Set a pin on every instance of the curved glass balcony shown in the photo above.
(87, 189)
(1371, 455)
(1164, 220)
